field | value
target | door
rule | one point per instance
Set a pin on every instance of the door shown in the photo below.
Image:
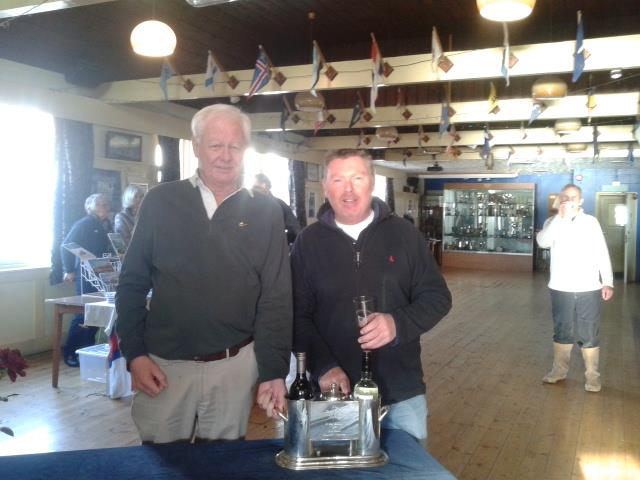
(616, 213)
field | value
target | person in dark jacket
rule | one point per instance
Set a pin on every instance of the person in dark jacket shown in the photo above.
(90, 232)
(359, 247)
(291, 226)
(220, 316)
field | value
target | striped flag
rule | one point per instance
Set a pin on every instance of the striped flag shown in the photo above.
(578, 55)
(261, 74)
(165, 74)
(444, 119)
(212, 69)
(315, 68)
(506, 54)
(376, 72)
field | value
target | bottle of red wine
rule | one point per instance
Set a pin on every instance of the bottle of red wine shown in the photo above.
(301, 387)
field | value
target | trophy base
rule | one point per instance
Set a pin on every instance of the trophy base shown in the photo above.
(333, 461)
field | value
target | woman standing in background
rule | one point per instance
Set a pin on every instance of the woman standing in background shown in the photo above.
(125, 220)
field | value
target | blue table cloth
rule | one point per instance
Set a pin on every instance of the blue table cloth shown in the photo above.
(218, 460)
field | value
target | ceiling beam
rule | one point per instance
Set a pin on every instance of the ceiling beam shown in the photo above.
(512, 110)
(17, 8)
(536, 59)
(508, 137)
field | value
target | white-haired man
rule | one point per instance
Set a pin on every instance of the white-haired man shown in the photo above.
(220, 314)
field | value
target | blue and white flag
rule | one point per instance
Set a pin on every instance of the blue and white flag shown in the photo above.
(212, 69)
(261, 74)
(630, 158)
(536, 110)
(444, 119)
(315, 68)
(165, 74)
(578, 55)
(355, 114)
(505, 54)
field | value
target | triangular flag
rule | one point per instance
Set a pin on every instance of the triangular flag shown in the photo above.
(376, 72)
(319, 123)
(355, 114)
(261, 73)
(286, 112)
(315, 67)
(444, 119)
(436, 49)
(493, 99)
(536, 110)
(165, 74)
(630, 158)
(523, 132)
(486, 146)
(506, 54)
(636, 130)
(596, 148)
(212, 69)
(578, 55)
(591, 102)
(360, 138)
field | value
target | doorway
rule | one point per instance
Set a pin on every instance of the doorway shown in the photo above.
(616, 212)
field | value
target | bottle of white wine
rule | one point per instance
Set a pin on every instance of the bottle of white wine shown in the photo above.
(366, 388)
(301, 387)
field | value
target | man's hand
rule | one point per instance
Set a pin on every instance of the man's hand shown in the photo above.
(380, 331)
(147, 376)
(272, 397)
(607, 293)
(335, 375)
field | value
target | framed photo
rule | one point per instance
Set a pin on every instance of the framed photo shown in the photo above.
(123, 146)
(313, 172)
(108, 182)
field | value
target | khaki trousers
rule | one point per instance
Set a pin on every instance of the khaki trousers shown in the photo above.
(203, 400)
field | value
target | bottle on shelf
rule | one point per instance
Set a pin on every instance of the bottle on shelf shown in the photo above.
(365, 388)
(301, 387)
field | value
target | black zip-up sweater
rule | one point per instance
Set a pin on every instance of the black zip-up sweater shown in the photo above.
(215, 281)
(391, 262)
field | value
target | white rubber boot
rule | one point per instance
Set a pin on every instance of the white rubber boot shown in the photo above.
(591, 358)
(561, 356)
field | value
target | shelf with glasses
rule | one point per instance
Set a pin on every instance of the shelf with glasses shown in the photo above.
(488, 226)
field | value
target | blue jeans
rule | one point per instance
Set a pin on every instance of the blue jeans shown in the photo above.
(409, 415)
(576, 317)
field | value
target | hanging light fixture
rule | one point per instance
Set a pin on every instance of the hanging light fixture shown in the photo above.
(565, 126)
(306, 102)
(153, 38)
(549, 88)
(388, 134)
(575, 147)
(505, 10)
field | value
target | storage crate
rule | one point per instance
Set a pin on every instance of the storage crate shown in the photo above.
(94, 364)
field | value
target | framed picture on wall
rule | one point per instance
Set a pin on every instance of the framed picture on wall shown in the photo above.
(312, 172)
(123, 146)
(108, 182)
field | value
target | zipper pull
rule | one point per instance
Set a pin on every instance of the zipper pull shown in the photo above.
(357, 259)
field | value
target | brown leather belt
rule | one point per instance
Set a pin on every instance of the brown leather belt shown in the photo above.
(228, 353)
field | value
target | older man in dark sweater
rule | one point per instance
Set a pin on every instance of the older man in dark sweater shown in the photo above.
(220, 314)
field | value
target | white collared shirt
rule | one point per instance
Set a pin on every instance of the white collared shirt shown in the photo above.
(208, 198)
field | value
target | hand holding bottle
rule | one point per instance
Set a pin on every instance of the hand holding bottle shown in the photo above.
(335, 375)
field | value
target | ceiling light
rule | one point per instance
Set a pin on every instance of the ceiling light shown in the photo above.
(387, 133)
(565, 126)
(206, 3)
(549, 88)
(616, 73)
(152, 38)
(505, 10)
(575, 147)
(307, 102)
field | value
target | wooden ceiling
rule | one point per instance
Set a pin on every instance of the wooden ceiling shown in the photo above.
(90, 44)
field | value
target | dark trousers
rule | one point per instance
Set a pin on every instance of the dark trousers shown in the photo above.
(79, 336)
(576, 317)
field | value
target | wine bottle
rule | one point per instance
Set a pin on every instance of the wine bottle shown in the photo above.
(365, 388)
(301, 387)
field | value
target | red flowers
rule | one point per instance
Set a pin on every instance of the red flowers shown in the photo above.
(12, 363)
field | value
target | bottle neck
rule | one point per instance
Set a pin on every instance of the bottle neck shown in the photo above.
(365, 373)
(301, 364)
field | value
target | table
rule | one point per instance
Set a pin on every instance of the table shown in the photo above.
(62, 306)
(236, 460)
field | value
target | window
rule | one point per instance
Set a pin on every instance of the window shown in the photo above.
(27, 183)
(380, 189)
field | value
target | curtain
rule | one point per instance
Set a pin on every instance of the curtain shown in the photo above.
(170, 158)
(74, 162)
(297, 190)
(391, 199)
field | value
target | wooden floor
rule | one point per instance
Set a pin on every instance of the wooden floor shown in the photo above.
(490, 417)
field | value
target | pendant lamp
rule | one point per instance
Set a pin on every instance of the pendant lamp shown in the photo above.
(307, 102)
(153, 38)
(505, 10)
(549, 88)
